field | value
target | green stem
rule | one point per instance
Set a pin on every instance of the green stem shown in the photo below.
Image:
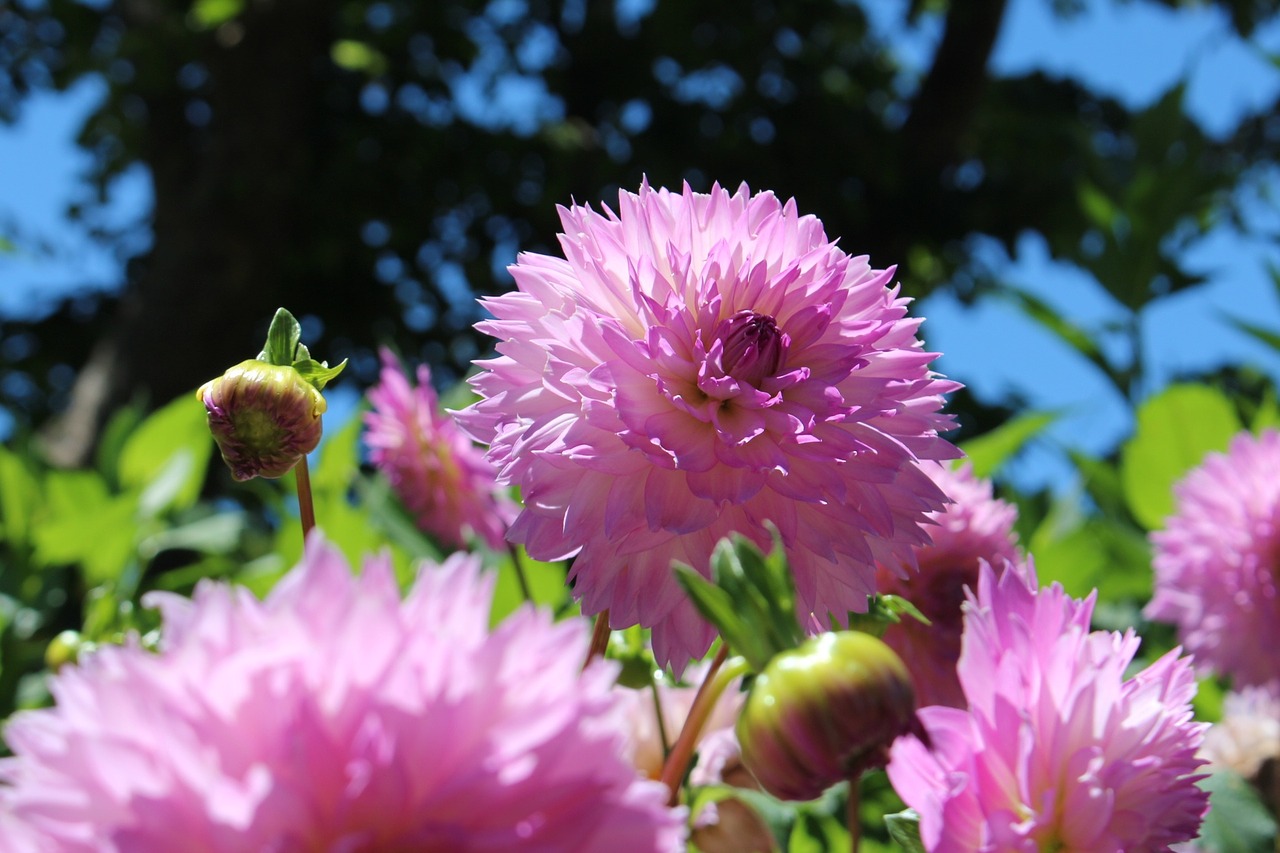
(718, 678)
(662, 723)
(306, 508)
(520, 577)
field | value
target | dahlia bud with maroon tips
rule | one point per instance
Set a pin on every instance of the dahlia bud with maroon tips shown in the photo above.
(824, 712)
(264, 417)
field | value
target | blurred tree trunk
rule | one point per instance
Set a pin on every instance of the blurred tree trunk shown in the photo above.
(232, 206)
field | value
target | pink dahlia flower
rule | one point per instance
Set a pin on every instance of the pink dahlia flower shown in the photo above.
(434, 468)
(1058, 750)
(1215, 561)
(335, 716)
(974, 527)
(697, 365)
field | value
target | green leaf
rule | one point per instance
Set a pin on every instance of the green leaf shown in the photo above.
(284, 340)
(1084, 552)
(207, 14)
(989, 451)
(339, 459)
(318, 373)
(1176, 428)
(19, 498)
(98, 535)
(167, 456)
(904, 828)
(546, 584)
(1237, 821)
(358, 56)
(1265, 335)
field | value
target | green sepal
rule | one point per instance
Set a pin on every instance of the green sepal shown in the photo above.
(284, 341)
(750, 598)
(904, 828)
(883, 611)
(284, 347)
(318, 373)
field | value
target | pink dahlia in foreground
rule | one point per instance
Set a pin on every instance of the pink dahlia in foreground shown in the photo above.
(697, 365)
(435, 469)
(1058, 750)
(1215, 561)
(974, 527)
(335, 716)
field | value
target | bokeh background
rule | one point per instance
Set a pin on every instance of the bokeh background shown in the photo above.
(1081, 195)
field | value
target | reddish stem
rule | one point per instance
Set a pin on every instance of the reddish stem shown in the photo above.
(306, 509)
(709, 691)
(599, 638)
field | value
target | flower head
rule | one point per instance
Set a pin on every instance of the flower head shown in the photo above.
(433, 467)
(1058, 750)
(336, 716)
(264, 417)
(1248, 735)
(698, 365)
(974, 527)
(824, 712)
(1216, 561)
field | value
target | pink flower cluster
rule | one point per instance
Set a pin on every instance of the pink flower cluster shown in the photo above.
(1058, 749)
(335, 716)
(439, 475)
(698, 365)
(1216, 559)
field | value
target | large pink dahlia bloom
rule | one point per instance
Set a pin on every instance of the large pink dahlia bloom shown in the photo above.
(434, 468)
(974, 527)
(335, 716)
(698, 365)
(1058, 750)
(1216, 561)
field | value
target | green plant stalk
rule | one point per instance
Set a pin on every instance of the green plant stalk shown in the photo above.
(520, 576)
(853, 812)
(718, 678)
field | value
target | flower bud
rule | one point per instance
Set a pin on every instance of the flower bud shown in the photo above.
(753, 346)
(824, 712)
(264, 417)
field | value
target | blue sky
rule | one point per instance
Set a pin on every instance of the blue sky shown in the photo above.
(1134, 51)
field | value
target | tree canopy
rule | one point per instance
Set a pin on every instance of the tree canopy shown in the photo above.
(378, 164)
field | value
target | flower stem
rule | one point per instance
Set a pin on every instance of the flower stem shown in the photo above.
(520, 576)
(677, 764)
(854, 812)
(599, 638)
(306, 508)
(662, 723)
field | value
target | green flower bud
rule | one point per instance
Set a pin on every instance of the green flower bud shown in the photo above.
(825, 712)
(63, 649)
(264, 417)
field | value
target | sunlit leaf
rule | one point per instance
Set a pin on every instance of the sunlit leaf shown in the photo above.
(1175, 430)
(179, 429)
(207, 14)
(1237, 821)
(19, 497)
(989, 451)
(358, 56)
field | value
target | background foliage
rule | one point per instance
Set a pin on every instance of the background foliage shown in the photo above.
(375, 164)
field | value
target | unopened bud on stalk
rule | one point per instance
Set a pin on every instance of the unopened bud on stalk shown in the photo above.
(823, 712)
(264, 417)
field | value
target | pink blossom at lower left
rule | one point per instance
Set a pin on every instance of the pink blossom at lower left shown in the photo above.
(335, 715)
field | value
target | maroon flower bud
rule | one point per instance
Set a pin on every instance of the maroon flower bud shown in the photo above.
(753, 346)
(824, 712)
(264, 417)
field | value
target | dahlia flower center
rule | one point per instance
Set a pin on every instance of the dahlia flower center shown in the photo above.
(752, 346)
